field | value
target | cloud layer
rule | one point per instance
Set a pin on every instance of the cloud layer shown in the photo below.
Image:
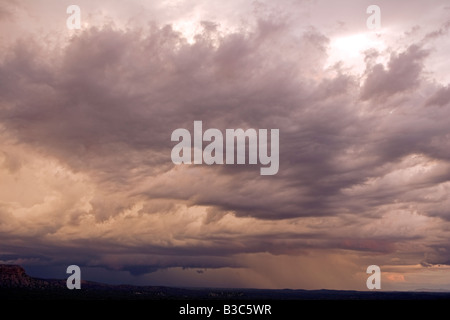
(86, 119)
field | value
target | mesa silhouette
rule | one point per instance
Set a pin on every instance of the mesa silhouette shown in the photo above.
(15, 284)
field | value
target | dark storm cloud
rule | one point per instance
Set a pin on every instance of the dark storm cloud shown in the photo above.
(100, 106)
(441, 97)
(402, 74)
(104, 106)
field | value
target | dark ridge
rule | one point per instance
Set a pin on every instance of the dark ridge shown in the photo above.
(15, 284)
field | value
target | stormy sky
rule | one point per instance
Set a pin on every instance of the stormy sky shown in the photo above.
(86, 118)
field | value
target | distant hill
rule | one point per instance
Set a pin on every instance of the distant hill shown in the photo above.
(14, 276)
(15, 284)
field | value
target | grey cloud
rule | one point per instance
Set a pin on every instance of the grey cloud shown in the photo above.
(105, 105)
(107, 99)
(403, 73)
(440, 98)
(7, 10)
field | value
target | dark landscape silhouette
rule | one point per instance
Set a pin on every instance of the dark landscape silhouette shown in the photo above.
(15, 284)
